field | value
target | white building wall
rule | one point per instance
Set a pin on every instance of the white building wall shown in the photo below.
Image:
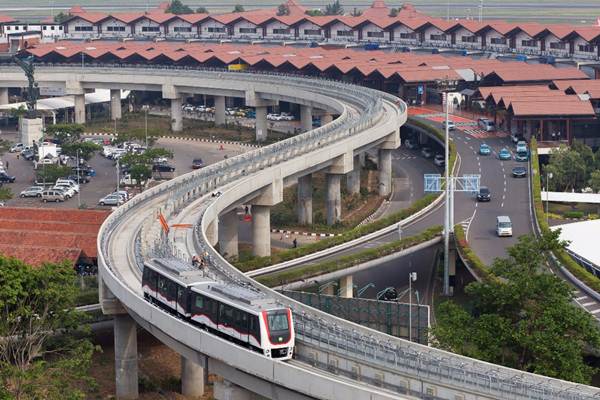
(176, 24)
(79, 22)
(549, 39)
(432, 30)
(403, 29)
(279, 25)
(207, 25)
(338, 26)
(238, 26)
(377, 30)
(144, 23)
(584, 54)
(112, 22)
(519, 46)
(493, 34)
(470, 45)
(52, 31)
(307, 25)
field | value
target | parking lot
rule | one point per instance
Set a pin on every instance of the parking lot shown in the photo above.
(105, 180)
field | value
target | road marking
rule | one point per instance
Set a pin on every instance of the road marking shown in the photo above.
(591, 303)
(595, 311)
(502, 205)
(503, 197)
(504, 188)
(581, 298)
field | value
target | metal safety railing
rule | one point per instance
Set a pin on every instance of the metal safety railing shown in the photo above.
(326, 332)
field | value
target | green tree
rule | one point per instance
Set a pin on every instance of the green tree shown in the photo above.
(140, 165)
(393, 12)
(86, 149)
(65, 133)
(523, 317)
(36, 362)
(61, 17)
(5, 194)
(177, 7)
(356, 12)
(568, 170)
(594, 181)
(238, 8)
(18, 112)
(283, 9)
(201, 10)
(334, 8)
(50, 173)
(314, 13)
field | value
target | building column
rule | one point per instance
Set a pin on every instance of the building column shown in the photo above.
(326, 118)
(305, 190)
(334, 199)
(347, 287)
(115, 103)
(126, 367)
(385, 172)
(220, 118)
(261, 231)
(3, 95)
(225, 390)
(228, 234)
(261, 123)
(176, 114)
(79, 108)
(305, 118)
(353, 178)
(193, 378)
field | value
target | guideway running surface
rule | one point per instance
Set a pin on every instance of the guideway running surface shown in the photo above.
(127, 236)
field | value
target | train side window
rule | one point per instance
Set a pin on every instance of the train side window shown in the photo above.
(243, 322)
(181, 296)
(253, 327)
(162, 285)
(199, 302)
(146, 276)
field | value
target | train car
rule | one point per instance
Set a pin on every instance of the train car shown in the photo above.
(239, 314)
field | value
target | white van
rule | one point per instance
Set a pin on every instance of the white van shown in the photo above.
(486, 124)
(503, 226)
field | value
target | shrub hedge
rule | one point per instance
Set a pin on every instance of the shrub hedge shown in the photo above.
(469, 255)
(290, 254)
(563, 257)
(308, 271)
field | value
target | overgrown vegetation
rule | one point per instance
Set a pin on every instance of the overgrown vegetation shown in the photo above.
(177, 7)
(50, 173)
(469, 255)
(524, 317)
(308, 271)
(43, 352)
(573, 168)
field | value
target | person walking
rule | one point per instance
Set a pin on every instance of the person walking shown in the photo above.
(6, 164)
(295, 243)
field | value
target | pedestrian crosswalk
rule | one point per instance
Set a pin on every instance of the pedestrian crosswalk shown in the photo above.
(481, 134)
(588, 303)
(465, 224)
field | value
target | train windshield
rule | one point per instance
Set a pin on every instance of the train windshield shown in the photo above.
(278, 321)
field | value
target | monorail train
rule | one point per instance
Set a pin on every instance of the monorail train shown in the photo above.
(236, 313)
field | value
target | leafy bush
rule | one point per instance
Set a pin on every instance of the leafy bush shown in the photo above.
(574, 214)
(469, 255)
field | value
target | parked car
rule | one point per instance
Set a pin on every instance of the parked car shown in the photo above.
(29, 155)
(53, 195)
(163, 168)
(112, 199)
(5, 178)
(504, 154)
(83, 171)
(67, 190)
(32, 191)
(82, 178)
(486, 124)
(484, 194)
(16, 147)
(127, 180)
(519, 172)
(73, 184)
(197, 163)
(439, 160)
(451, 125)
(427, 152)
(124, 194)
(485, 149)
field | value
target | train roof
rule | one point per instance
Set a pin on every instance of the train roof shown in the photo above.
(182, 272)
(243, 297)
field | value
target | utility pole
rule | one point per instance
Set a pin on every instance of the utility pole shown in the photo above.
(78, 184)
(412, 277)
(480, 10)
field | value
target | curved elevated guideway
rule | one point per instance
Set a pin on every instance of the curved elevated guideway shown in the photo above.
(335, 359)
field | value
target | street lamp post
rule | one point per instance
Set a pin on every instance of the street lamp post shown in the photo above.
(78, 184)
(548, 177)
(145, 107)
(412, 277)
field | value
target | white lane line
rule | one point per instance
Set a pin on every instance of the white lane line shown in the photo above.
(595, 311)
(505, 188)
(581, 298)
(502, 205)
(591, 303)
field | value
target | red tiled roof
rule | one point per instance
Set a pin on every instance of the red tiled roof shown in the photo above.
(561, 107)
(5, 19)
(38, 255)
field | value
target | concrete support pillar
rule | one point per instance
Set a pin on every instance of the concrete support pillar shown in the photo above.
(353, 178)
(79, 108)
(305, 118)
(193, 378)
(115, 103)
(385, 172)
(261, 230)
(225, 390)
(126, 367)
(3, 95)
(334, 199)
(176, 114)
(220, 110)
(212, 233)
(347, 287)
(261, 123)
(329, 290)
(228, 234)
(305, 191)
(326, 118)
(452, 255)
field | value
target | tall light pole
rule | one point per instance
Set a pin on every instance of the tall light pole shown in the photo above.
(145, 107)
(78, 184)
(548, 177)
(412, 277)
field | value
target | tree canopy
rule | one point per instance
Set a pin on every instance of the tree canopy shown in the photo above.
(177, 7)
(61, 17)
(37, 361)
(283, 9)
(86, 149)
(201, 10)
(572, 168)
(314, 13)
(65, 133)
(238, 8)
(334, 8)
(50, 173)
(523, 318)
(140, 165)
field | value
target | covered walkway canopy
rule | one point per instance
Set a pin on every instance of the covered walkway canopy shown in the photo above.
(62, 102)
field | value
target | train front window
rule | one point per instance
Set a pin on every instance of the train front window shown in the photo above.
(279, 327)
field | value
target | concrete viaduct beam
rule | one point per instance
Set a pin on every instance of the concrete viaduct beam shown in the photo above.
(170, 92)
(261, 216)
(126, 367)
(305, 191)
(193, 378)
(260, 105)
(220, 110)
(353, 177)
(228, 234)
(305, 118)
(334, 199)
(115, 103)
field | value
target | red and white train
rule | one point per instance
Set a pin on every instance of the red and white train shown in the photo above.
(234, 312)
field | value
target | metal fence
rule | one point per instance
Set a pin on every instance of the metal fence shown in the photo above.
(328, 333)
(385, 316)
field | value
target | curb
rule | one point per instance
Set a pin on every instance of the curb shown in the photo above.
(191, 139)
(312, 234)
